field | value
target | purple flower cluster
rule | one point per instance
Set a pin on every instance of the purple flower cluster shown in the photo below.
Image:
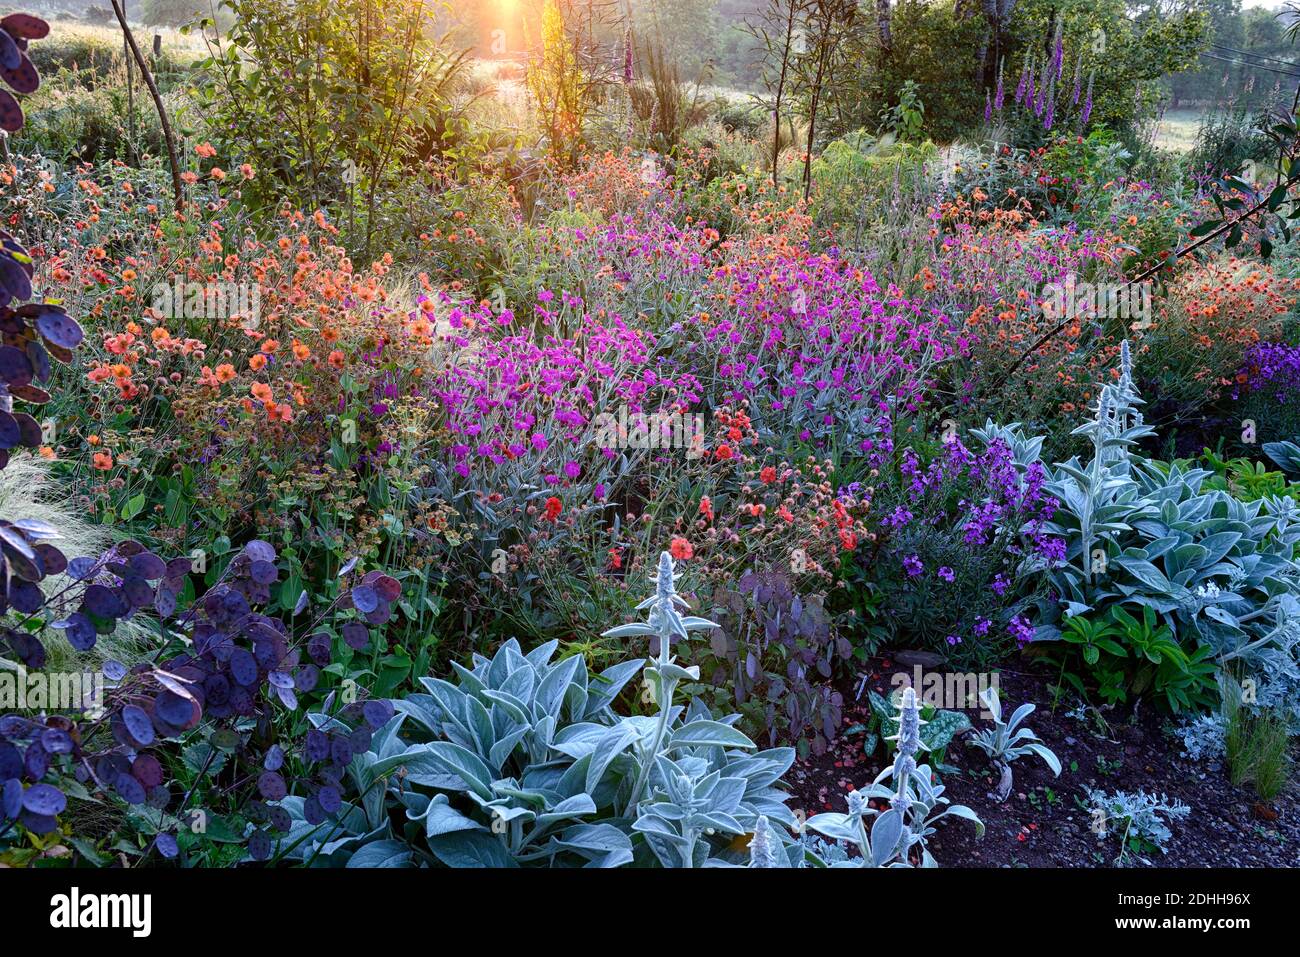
(1273, 366)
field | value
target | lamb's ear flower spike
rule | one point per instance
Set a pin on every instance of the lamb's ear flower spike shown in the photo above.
(763, 846)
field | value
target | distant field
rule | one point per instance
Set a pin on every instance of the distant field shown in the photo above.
(1178, 129)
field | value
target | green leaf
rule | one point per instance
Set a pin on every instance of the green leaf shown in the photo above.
(471, 849)
(382, 854)
(705, 733)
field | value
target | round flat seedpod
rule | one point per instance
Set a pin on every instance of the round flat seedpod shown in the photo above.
(11, 761)
(52, 559)
(260, 551)
(15, 367)
(36, 396)
(271, 786)
(306, 679)
(365, 598)
(25, 26)
(26, 597)
(36, 761)
(330, 799)
(138, 725)
(316, 747)
(340, 750)
(59, 328)
(13, 278)
(313, 812)
(81, 568)
(319, 648)
(11, 799)
(114, 670)
(147, 770)
(377, 712)
(45, 799)
(103, 602)
(287, 697)
(243, 667)
(360, 740)
(10, 55)
(273, 760)
(259, 846)
(38, 824)
(130, 790)
(356, 635)
(10, 434)
(79, 630)
(174, 709)
(56, 741)
(40, 360)
(166, 845)
(147, 565)
(137, 591)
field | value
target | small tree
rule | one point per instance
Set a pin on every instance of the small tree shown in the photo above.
(826, 25)
(777, 29)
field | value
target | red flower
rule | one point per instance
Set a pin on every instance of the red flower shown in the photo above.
(848, 541)
(681, 549)
(553, 508)
(706, 507)
(768, 475)
(723, 452)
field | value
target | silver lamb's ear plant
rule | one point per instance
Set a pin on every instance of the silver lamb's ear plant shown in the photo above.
(913, 799)
(764, 847)
(1005, 743)
(665, 622)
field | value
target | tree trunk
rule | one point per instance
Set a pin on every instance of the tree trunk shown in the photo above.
(157, 102)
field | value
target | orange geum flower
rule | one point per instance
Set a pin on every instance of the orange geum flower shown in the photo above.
(261, 391)
(336, 359)
(257, 362)
(270, 345)
(103, 461)
(225, 372)
(206, 150)
(301, 351)
(217, 173)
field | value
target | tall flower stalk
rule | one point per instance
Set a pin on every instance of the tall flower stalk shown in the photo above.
(665, 622)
